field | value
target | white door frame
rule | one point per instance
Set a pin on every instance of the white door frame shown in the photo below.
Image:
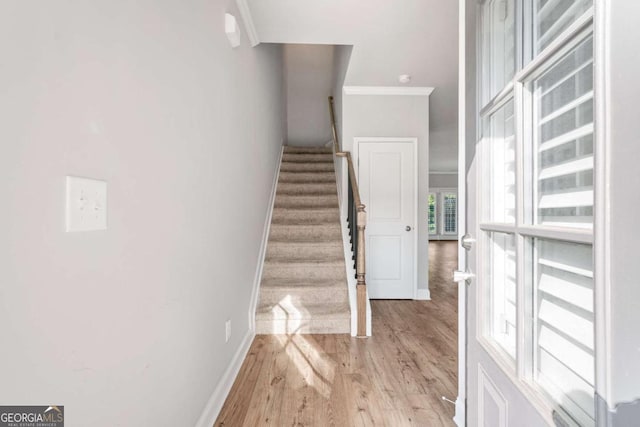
(460, 417)
(356, 156)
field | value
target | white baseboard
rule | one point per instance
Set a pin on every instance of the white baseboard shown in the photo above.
(216, 401)
(423, 294)
(458, 418)
(263, 248)
(439, 237)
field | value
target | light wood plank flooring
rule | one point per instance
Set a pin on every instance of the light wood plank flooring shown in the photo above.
(395, 378)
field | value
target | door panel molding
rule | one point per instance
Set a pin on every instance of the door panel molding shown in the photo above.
(488, 390)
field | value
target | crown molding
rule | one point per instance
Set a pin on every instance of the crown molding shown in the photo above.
(245, 12)
(388, 90)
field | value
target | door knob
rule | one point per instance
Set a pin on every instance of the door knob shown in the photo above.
(462, 276)
(467, 241)
(408, 228)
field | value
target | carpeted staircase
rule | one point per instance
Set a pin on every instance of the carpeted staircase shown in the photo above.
(304, 284)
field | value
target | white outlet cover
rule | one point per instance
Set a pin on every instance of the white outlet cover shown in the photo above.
(86, 206)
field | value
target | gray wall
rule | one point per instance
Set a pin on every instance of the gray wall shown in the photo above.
(341, 57)
(309, 81)
(394, 116)
(342, 54)
(441, 180)
(128, 323)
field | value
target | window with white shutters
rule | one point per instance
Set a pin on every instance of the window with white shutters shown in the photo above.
(563, 359)
(563, 125)
(551, 17)
(450, 206)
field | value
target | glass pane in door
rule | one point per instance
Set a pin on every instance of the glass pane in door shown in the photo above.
(563, 127)
(499, 59)
(563, 321)
(552, 17)
(500, 174)
(500, 293)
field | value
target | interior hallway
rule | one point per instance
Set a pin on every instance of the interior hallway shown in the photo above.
(395, 378)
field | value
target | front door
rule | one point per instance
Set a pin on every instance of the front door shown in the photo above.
(387, 179)
(529, 172)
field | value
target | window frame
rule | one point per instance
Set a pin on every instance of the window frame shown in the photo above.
(442, 193)
(528, 68)
(439, 193)
(433, 193)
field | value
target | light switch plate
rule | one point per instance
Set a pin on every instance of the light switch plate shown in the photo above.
(86, 204)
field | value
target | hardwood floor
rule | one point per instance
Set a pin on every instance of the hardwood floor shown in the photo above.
(395, 378)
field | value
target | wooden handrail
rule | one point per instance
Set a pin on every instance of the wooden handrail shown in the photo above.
(358, 216)
(352, 177)
(336, 143)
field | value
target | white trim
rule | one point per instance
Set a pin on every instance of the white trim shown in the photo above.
(249, 26)
(418, 224)
(423, 295)
(413, 140)
(562, 44)
(219, 395)
(602, 214)
(498, 227)
(263, 247)
(498, 101)
(576, 235)
(442, 237)
(565, 234)
(460, 416)
(485, 383)
(388, 90)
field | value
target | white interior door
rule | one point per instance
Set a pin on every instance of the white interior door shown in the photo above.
(387, 180)
(530, 357)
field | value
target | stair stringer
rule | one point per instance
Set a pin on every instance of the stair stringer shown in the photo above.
(255, 293)
(348, 256)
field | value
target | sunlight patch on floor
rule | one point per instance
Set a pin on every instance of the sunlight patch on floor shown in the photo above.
(317, 369)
